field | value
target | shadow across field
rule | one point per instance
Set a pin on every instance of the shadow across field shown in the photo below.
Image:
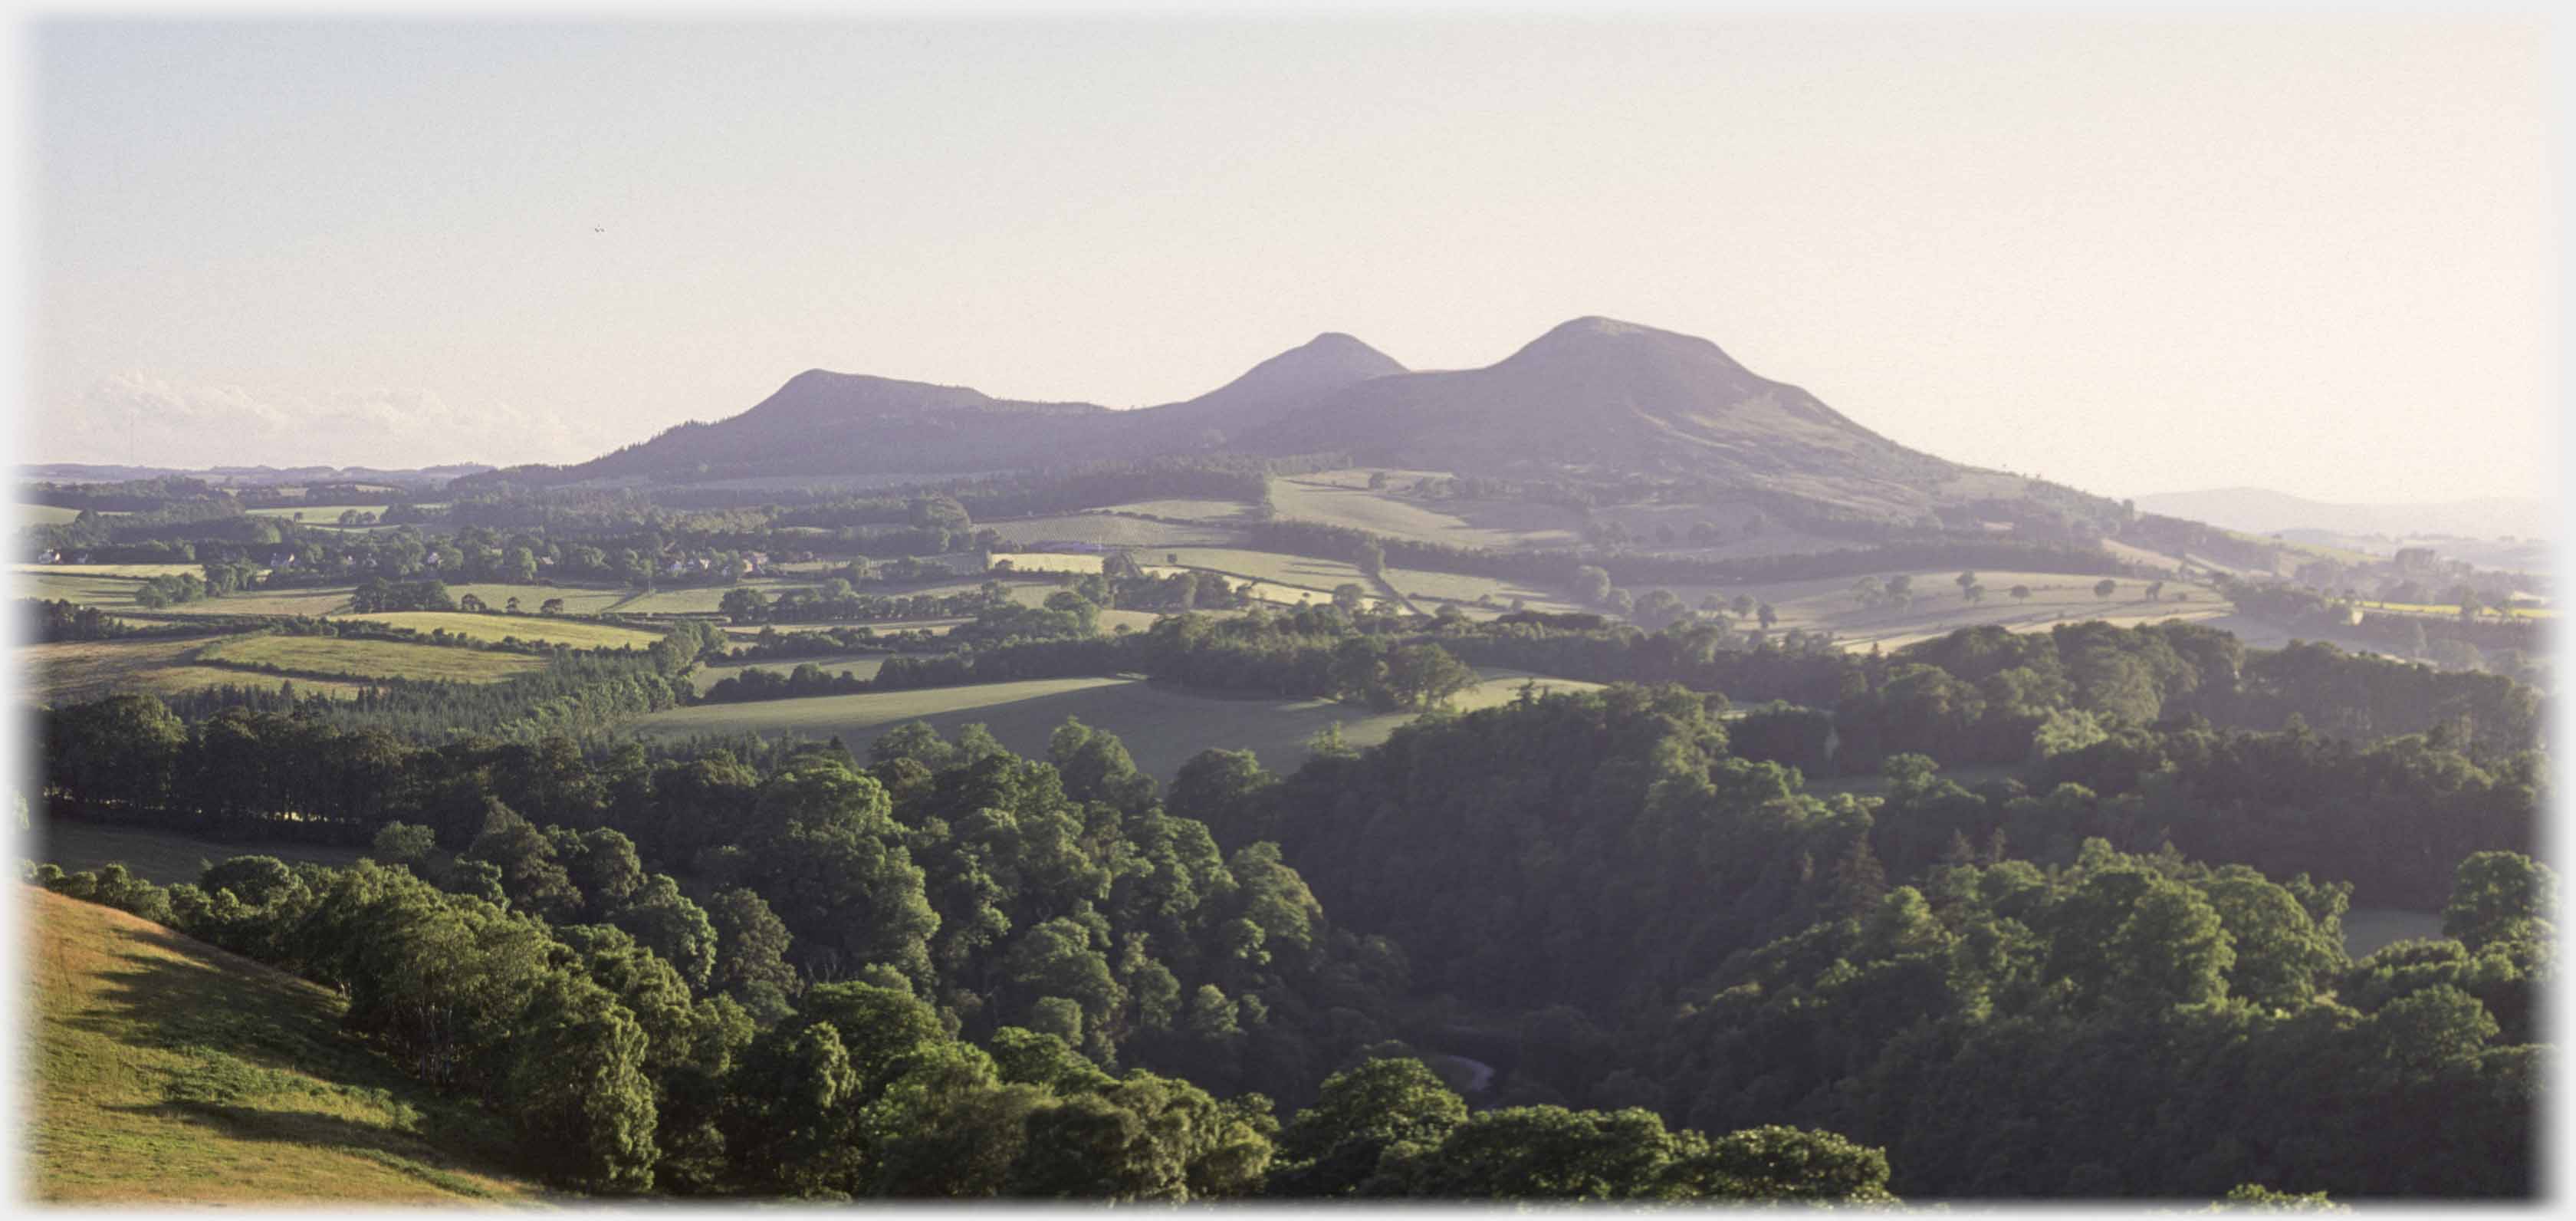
(261, 1057)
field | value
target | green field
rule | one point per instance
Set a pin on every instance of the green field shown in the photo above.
(2449, 612)
(163, 1071)
(578, 633)
(1112, 530)
(1435, 587)
(1828, 604)
(77, 671)
(1162, 726)
(316, 515)
(578, 599)
(330, 655)
(45, 515)
(312, 602)
(78, 589)
(1049, 561)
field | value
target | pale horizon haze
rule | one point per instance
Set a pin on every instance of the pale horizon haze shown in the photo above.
(2315, 254)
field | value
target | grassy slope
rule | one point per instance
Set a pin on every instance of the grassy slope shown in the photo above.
(166, 1071)
(373, 658)
(1162, 726)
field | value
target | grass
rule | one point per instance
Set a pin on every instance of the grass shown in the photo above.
(45, 515)
(1433, 587)
(2450, 612)
(578, 633)
(1162, 726)
(1828, 604)
(1046, 561)
(334, 657)
(160, 856)
(135, 571)
(165, 1071)
(77, 671)
(316, 515)
(80, 589)
(310, 602)
(1112, 530)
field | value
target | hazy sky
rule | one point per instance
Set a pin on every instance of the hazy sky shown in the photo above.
(2317, 255)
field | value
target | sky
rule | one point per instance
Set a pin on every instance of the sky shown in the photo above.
(2314, 254)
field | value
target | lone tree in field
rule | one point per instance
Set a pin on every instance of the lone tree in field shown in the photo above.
(2020, 593)
(2155, 591)
(471, 603)
(1766, 615)
(1742, 606)
(1964, 580)
(2104, 587)
(551, 606)
(1975, 593)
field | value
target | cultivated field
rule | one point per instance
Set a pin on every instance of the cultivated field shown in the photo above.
(80, 589)
(164, 1071)
(1343, 498)
(2439, 611)
(315, 515)
(578, 633)
(314, 602)
(334, 657)
(1828, 604)
(1112, 530)
(1049, 561)
(1162, 726)
(1430, 588)
(45, 515)
(78, 671)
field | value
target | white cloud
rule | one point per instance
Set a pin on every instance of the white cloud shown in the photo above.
(146, 420)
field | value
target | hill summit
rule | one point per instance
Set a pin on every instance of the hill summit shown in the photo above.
(1595, 394)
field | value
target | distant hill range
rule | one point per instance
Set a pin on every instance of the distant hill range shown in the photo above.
(1592, 395)
(249, 476)
(2261, 511)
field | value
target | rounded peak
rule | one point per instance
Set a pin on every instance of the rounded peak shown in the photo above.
(1595, 324)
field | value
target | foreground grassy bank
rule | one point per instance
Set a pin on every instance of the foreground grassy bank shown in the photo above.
(165, 1071)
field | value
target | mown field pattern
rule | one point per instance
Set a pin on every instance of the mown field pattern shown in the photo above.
(165, 1071)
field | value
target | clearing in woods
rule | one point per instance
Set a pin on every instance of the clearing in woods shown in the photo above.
(165, 1071)
(1161, 725)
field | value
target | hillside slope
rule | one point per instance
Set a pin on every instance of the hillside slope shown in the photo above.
(165, 1071)
(1603, 393)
